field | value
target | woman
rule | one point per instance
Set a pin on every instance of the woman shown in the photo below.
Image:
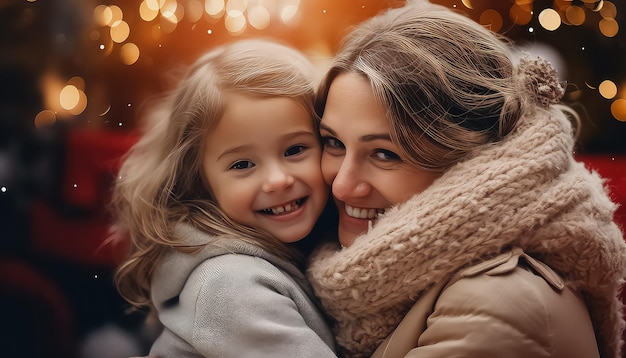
(460, 200)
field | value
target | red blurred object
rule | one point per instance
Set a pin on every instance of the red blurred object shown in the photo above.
(613, 168)
(91, 163)
(92, 160)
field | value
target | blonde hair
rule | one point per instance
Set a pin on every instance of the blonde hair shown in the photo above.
(448, 84)
(160, 184)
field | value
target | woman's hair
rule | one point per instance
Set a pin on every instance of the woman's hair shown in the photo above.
(160, 183)
(448, 84)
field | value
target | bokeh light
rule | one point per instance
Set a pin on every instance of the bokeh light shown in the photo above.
(120, 30)
(608, 10)
(288, 13)
(69, 97)
(236, 8)
(214, 8)
(618, 109)
(575, 15)
(235, 23)
(549, 19)
(129, 53)
(81, 104)
(102, 15)
(492, 19)
(521, 14)
(45, 118)
(259, 17)
(195, 10)
(147, 34)
(607, 89)
(146, 12)
(608, 27)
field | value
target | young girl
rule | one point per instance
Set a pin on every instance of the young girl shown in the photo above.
(212, 196)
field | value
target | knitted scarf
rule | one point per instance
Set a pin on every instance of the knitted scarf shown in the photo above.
(526, 191)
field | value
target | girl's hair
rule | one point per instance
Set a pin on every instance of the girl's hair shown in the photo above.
(160, 184)
(448, 84)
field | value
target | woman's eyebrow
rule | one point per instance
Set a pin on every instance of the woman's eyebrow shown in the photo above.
(327, 128)
(365, 138)
(374, 136)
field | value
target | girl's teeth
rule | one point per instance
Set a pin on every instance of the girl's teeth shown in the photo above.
(284, 209)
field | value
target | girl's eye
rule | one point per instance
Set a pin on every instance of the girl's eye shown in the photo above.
(331, 142)
(386, 155)
(242, 164)
(294, 150)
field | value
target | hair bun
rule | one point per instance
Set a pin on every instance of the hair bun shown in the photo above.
(540, 80)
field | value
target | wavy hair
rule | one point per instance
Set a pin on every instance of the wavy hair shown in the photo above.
(159, 182)
(449, 85)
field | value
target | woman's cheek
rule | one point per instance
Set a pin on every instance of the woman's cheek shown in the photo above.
(330, 167)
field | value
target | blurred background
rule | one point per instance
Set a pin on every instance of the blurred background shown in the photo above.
(75, 74)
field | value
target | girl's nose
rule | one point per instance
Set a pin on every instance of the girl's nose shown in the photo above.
(277, 179)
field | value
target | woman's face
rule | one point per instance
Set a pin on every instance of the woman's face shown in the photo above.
(360, 161)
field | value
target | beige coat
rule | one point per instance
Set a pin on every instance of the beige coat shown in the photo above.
(474, 315)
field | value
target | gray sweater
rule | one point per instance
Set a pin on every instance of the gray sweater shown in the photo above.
(233, 299)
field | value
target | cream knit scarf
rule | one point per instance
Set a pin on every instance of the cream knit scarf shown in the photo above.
(526, 191)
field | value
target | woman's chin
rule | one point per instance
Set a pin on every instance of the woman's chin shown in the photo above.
(346, 239)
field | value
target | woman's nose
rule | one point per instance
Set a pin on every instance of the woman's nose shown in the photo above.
(277, 179)
(349, 182)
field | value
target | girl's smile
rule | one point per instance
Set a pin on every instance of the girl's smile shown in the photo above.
(262, 164)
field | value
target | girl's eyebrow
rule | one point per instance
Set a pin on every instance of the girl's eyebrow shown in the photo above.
(249, 147)
(241, 148)
(365, 138)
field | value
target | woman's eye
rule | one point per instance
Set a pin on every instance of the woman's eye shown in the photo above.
(331, 142)
(294, 150)
(386, 155)
(242, 164)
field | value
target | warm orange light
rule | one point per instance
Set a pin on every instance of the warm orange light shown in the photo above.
(608, 27)
(120, 30)
(129, 53)
(521, 15)
(575, 15)
(618, 109)
(195, 10)
(45, 118)
(214, 8)
(607, 89)
(69, 97)
(608, 10)
(102, 15)
(259, 17)
(146, 12)
(492, 18)
(235, 25)
(550, 19)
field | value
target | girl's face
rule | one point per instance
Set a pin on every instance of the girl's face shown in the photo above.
(262, 164)
(360, 161)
